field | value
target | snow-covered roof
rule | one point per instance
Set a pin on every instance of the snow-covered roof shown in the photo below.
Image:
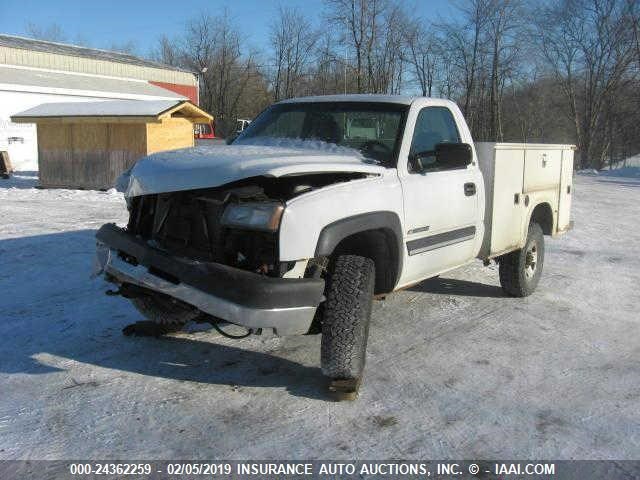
(359, 97)
(42, 81)
(24, 43)
(115, 108)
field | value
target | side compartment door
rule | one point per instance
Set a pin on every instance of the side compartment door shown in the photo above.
(566, 191)
(440, 202)
(509, 211)
(541, 169)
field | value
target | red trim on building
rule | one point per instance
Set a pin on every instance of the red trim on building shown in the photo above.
(189, 91)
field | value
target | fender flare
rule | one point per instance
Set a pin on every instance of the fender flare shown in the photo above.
(332, 234)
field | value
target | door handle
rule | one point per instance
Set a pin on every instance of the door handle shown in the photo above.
(469, 189)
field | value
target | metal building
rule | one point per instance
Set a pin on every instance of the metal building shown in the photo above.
(34, 72)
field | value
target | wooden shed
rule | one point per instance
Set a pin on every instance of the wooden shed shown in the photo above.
(89, 144)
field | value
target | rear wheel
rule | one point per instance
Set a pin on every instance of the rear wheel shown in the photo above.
(520, 270)
(345, 324)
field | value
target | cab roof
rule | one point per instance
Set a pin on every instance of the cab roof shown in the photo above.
(359, 97)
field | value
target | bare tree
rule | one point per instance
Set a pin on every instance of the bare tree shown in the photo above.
(213, 47)
(588, 48)
(293, 41)
(373, 30)
(359, 21)
(54, 33)
(633, 13)
(50, 33)
(129, 47)
(464, 39)
(386, 59)
(166, 51)
(448, 82)
(480, 50)
(332, 74)
(575, 79)
(423, 55)
(503, 22)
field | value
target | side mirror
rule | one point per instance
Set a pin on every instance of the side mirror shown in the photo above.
(446, 156)
(454, 155)
(229, 140)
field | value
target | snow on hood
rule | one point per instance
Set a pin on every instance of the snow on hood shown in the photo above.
(212, 166)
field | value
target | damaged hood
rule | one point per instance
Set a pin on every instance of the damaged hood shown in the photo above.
(213, 166)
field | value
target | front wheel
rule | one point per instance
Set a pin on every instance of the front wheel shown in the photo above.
(520, 270)
(345, 324)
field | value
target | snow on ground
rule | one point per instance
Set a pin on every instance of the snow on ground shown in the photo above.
(633, 161)
(629, 171)
(455, 370)
(620, 171)
(629, 167)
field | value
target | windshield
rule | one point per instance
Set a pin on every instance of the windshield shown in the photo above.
(371, 128)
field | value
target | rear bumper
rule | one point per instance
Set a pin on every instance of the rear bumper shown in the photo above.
(237, 296)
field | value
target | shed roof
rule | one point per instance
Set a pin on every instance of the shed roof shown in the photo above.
(24, 43)
(148, 111)
(28, 79)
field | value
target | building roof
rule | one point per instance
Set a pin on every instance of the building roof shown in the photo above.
(78, 51)
(139, 110)
(357, 97)
(45, 81)
(91, 109)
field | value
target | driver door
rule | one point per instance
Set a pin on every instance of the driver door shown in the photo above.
(440, 203)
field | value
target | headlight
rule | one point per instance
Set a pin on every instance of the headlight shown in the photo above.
(255, 216)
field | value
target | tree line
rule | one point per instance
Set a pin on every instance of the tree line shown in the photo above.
(561, 71)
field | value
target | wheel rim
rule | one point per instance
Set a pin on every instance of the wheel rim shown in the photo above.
(531, 260)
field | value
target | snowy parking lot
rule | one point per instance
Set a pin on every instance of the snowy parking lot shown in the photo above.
(455, 369)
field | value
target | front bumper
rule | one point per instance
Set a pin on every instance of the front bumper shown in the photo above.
(244, 298)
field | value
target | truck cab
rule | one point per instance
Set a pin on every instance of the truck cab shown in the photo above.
(329, 201)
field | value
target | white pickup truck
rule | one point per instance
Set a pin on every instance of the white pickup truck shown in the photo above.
(322, 203)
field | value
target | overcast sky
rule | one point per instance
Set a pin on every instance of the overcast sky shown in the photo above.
(103, 23)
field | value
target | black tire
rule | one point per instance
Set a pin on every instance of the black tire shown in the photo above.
(519, 272)
(164, 310)
(347, 311)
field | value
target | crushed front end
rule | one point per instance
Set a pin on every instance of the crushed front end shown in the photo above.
(214, 251)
